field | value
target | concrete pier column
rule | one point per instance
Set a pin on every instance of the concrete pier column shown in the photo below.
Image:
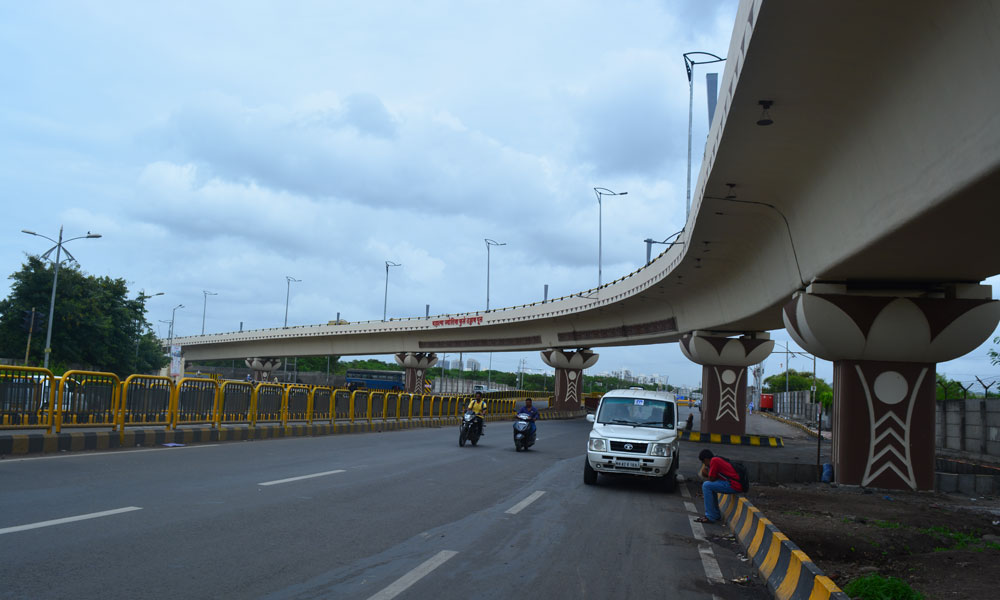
(569, 366)
(724, 362)
(262, 367)
(885, 349)
(416, 364)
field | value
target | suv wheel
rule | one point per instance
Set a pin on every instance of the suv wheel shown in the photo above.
(589, 474)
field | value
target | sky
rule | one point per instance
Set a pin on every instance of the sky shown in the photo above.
(226, 146)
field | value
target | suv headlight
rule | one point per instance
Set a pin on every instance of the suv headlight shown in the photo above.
(598, 444)
(659, 450)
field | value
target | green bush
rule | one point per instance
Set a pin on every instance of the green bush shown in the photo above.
(876, 587)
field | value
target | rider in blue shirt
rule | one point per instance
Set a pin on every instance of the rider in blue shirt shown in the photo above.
(531, 411)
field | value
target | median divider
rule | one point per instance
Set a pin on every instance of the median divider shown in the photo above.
(733, 440)
(44, 443)
(789, 572)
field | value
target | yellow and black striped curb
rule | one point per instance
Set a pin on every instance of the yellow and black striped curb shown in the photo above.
(44, 443)
(734, 440)
(789, 572)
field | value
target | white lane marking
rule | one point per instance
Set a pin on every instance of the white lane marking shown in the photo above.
(697, 529)
(323, 474)
(685, 492)
(103, 453)
(96, 515)
(513, 510)
(400, 585)
(712, 571)
(689, 506)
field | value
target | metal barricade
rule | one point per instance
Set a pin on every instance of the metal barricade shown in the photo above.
(146, 400)
(196, 400)
(322, 404)
(392, 405)
(405, 406)
(378, 400)
(342, 404)
(235, 402)
(360, 405)
(297, 403)
(435, 407)
(268, 404)
(87, 399)
(417, 406)
(26, 395)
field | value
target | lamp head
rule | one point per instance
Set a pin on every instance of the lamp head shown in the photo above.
(765, 117)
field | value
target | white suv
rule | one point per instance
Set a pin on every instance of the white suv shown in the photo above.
(635, 433)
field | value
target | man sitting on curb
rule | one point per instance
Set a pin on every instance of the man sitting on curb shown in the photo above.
(720, 478)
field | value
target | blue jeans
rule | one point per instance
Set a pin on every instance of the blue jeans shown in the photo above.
(709, 489)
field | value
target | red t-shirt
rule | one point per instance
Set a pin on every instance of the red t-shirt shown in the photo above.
(720, 468)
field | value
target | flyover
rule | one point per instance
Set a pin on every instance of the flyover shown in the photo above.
(863, 219)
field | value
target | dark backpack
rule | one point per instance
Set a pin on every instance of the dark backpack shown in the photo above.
(743, 478)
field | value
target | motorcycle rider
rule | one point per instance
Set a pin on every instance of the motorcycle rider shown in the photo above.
(531, 411)
(478, 406)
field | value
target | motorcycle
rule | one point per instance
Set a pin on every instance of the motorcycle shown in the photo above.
(524, 437)
(470, 429)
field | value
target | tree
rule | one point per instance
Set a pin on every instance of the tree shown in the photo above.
(95, 325)
(994, 355)
(799, 381)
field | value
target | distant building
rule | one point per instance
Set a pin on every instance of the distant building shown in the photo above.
(445, 364)
(472, 364)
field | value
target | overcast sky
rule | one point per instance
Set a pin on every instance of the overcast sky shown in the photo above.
(223, 146)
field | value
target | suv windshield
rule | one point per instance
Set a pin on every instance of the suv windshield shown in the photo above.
(637, 411)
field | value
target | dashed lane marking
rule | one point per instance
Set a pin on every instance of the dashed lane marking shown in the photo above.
(96, 515)
(400, 585)
(711, 566)
(513, 510)
(323, 474)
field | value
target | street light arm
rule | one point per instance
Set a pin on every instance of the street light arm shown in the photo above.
(689, 63)
(81, 237)
(39, 235)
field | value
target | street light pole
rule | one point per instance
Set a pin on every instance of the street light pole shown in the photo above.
(600, 191)
(385, 301)
(55, 278)
(689, 64)
(288, 292)
(205, 306)
(489, 243)
(173, 314)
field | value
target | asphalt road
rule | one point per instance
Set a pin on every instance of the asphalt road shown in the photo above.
(405, 514)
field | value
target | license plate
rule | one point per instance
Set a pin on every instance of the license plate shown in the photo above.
(628, 464)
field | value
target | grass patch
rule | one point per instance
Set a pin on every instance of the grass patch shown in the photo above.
(886, 524)
(876, 587)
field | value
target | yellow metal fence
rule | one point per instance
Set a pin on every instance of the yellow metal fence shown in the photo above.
(34, 398)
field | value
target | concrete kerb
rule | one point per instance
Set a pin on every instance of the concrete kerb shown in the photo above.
(733, 440)
(789, 572)
(796, 424)
(72, 441)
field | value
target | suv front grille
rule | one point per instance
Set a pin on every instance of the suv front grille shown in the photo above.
(636, 447)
